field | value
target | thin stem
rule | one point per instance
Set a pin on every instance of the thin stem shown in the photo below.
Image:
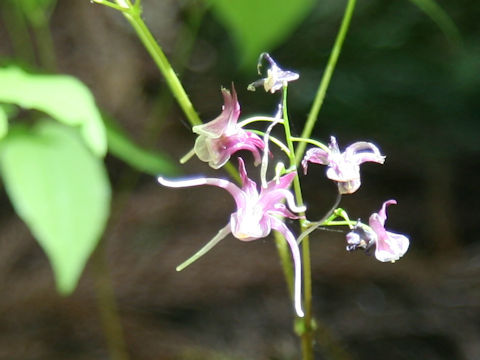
(322, 89)
(182, 54)
(43, 35)
(274, 140)
(306, 334)
(17, 28)
(286, 261)
(134, 17)
(257, 118)
(313, 226)
(311, 141)
(107, 306)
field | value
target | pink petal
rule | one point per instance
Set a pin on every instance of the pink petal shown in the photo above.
(315, 155)
(233, 189)
(391, 247)
(248, 225)
(383, 211)
(225, 121)
(249, 187)
(282, 228)
(363, 151)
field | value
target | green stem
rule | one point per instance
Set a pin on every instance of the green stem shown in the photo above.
(322, 89)
(17, 29)
(107, 306)
(306, 333)
(311, 141)
(255, 119)
(274, 140)
(43, 35)
(134, 18)
(181, 56)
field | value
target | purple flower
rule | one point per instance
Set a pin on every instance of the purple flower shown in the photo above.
(256, 215)
(222, 137)
(276, 77)
(344, 167)
(389, 246)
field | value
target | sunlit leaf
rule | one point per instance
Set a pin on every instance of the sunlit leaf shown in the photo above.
(259, 25)
(3, 122)
(150, 162)
(60, 190)
(440, 17)
(63, 97)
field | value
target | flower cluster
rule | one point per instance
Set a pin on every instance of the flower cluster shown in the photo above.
(261, 209)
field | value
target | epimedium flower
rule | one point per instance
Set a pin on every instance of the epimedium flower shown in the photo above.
(276, 77)
(389, 246)
(221, 137)
(256, 215)
(344, 168)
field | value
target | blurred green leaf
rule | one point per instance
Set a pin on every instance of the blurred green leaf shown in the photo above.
(34, 10)
(61, 191)
(259, 25)
(63, 97)
(3, 123)
(150, 162)
(440, 17)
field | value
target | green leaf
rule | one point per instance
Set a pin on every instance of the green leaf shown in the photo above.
(63, 97)
(150, 162)
(60, 190)
(3, 123)
(440, 17)
(259, 25)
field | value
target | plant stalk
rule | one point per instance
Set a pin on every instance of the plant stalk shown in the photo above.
(306, 332)
(107, 306)
(325, 82)
(134, 18)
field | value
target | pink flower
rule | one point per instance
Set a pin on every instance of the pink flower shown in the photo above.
(222, 137)
(256, 215)
(344, 168)
(389, 246)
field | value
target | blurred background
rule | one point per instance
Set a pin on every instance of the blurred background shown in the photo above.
(401, 82)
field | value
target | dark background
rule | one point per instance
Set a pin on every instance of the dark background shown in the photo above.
(399, 82)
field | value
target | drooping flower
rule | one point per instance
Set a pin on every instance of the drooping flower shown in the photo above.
(276, 77)
(344, 168)
(256, 215)
(221, 137)
(389, 246)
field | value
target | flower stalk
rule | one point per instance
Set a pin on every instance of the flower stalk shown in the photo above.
(133, 14)
(325, 82)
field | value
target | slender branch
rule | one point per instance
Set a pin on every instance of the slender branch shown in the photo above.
(274, 140)
(43, 36)
(17, 28)
(134, 18)
(311, 141)
(322, 89)
(313, 226)
(306, 334)
(107, 306)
